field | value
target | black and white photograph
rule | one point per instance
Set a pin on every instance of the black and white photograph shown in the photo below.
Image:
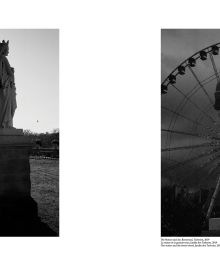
(190, 132)
(29, 132)
(109, 140)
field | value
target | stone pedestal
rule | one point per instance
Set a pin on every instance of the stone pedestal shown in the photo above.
(18, 211)
(14, 163)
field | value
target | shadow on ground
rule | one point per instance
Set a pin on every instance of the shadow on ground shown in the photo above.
(19, 217)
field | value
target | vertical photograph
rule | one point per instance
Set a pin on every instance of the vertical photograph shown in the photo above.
(29, 132)
(190, 132)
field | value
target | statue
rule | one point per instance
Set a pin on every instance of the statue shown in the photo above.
(8, 102)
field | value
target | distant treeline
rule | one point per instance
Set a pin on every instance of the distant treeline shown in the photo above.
(45, 140)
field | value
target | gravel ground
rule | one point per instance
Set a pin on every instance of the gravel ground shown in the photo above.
(45, 190)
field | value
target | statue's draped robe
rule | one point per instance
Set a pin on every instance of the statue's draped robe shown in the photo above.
(7, 94)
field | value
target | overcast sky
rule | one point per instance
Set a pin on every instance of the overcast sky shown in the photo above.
(34, 53)
(179, 44)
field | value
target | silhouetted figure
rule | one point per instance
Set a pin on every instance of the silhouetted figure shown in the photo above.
(8, 103)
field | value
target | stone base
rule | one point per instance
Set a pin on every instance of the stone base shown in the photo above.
(18, 211)
(14, 163)
(11, 131)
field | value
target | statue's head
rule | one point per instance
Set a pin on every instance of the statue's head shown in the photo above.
(4, 48)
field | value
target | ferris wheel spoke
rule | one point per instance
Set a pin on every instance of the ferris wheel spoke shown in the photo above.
(191, 134)
(201, 85)
(193, 103)
(210, 78)
(187, 118)
(209, 144)
(214, 66)
(204, 154)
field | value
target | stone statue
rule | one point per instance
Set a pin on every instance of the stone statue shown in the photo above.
(8, 102)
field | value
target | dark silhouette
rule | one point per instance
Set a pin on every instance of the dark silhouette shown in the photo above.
(18, 211)
(7, 88)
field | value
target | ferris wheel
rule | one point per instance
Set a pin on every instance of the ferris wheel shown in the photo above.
(190, 121)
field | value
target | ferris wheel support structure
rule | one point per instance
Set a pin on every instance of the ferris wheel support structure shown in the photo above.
(212, 203)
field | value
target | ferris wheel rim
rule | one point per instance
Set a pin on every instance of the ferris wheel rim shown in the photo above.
(207, 49)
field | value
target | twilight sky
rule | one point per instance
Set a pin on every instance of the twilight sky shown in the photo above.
(34, 53)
